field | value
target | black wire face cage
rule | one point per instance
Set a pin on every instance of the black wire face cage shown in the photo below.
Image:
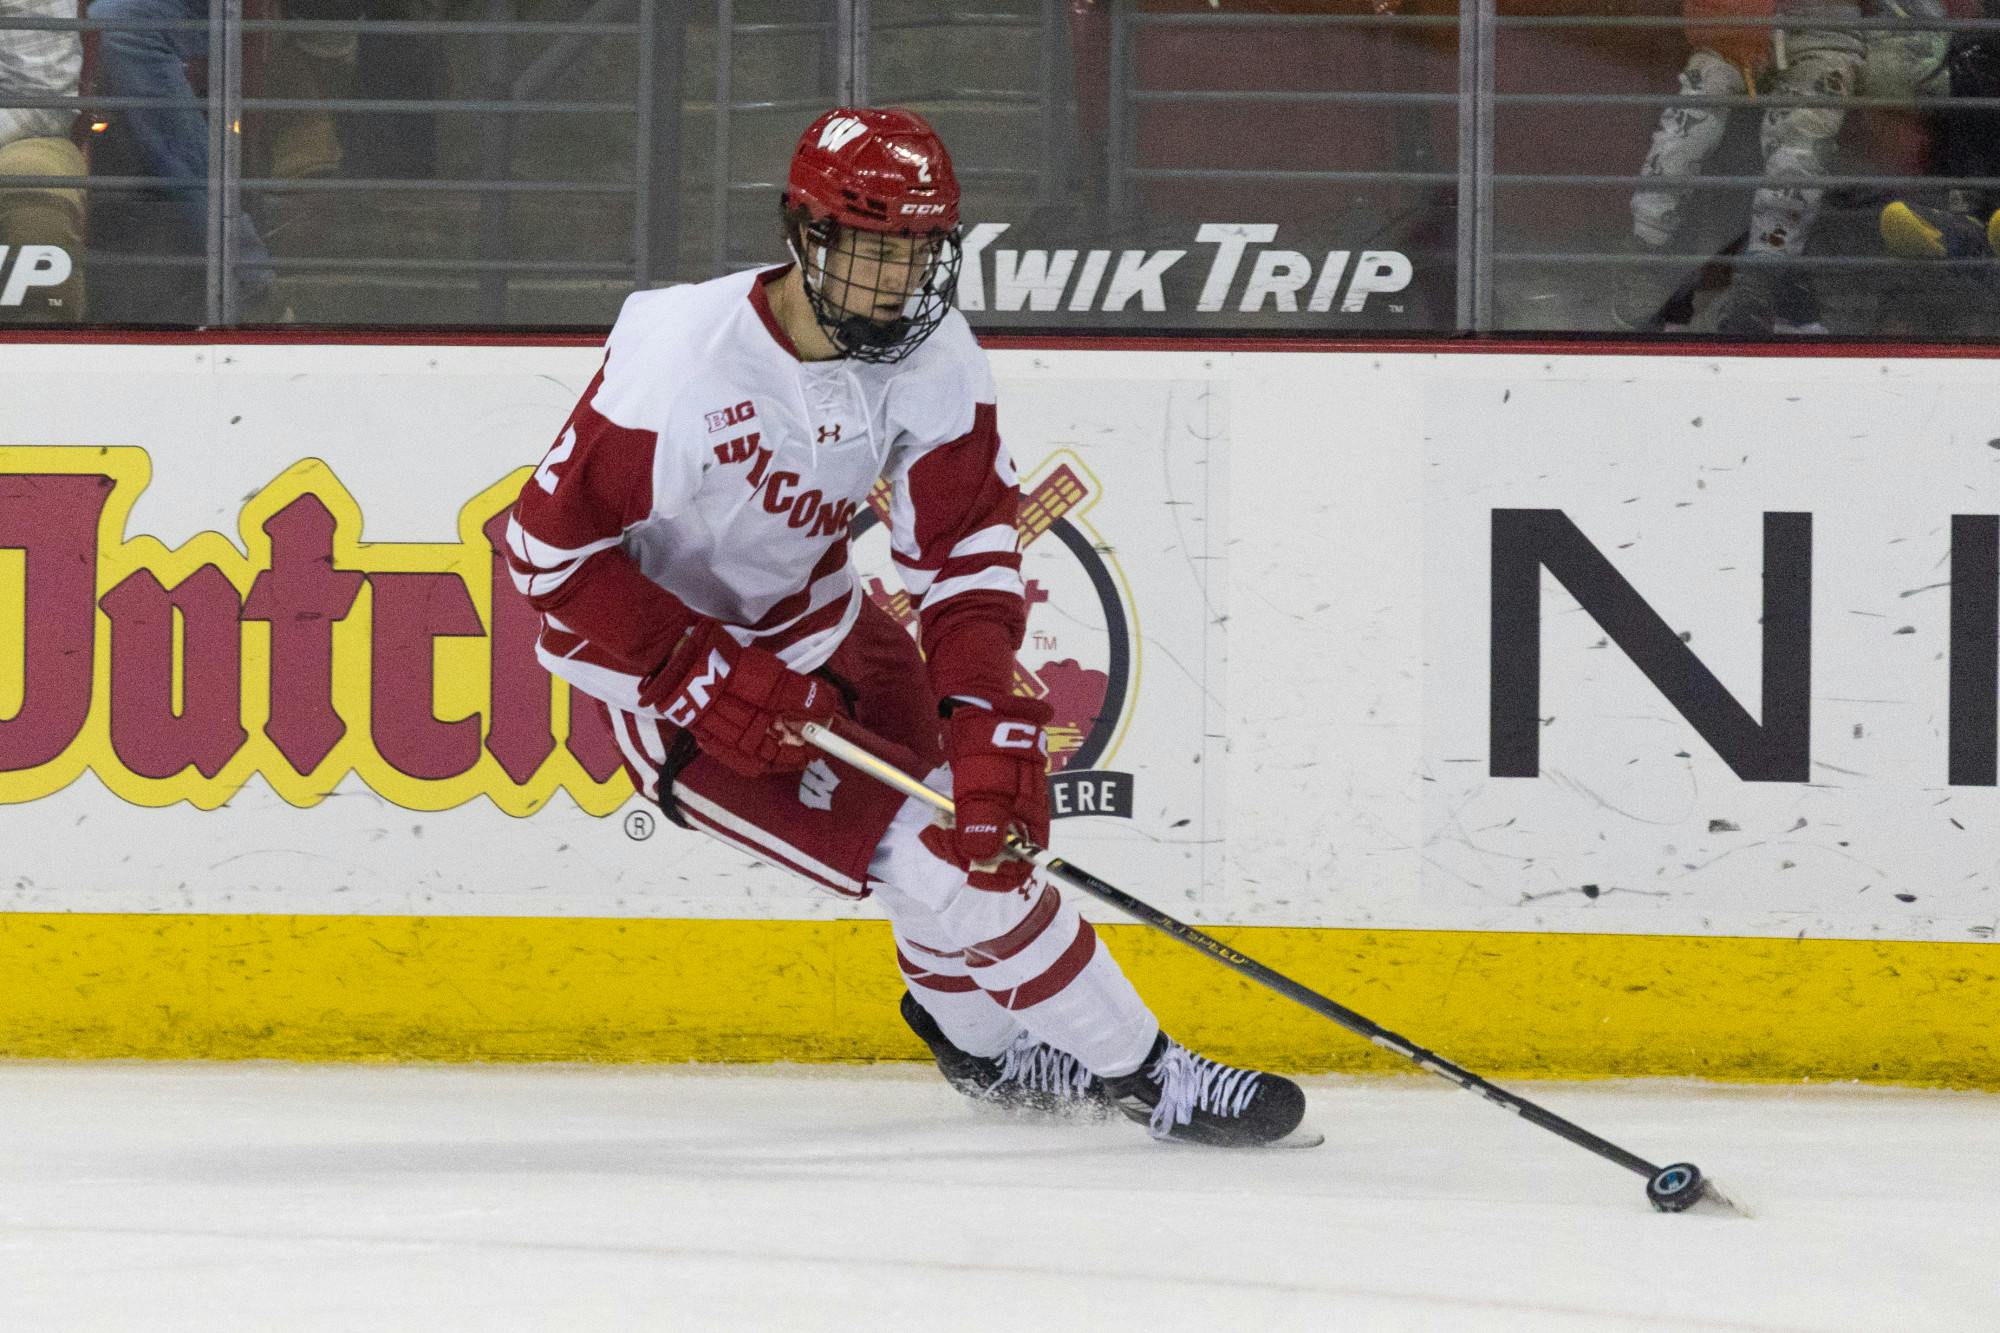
(885, 320)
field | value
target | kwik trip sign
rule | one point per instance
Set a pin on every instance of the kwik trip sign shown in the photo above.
(1227, 267)
(300, 653)
(27, 266)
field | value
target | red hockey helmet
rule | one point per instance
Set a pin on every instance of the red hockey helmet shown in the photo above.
(883, 172)
(876, 169)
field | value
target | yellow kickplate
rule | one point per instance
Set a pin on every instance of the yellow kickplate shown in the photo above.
(509, 988)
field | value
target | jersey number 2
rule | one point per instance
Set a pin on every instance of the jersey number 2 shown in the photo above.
(545, 475)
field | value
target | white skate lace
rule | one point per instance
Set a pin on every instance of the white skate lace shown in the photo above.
(1190, 1083)
(1040, 1067)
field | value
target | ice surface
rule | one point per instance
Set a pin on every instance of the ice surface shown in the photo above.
(272, 1196)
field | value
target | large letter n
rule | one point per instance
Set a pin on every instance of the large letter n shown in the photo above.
(1527, 541)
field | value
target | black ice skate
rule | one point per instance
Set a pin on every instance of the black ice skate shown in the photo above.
(1030, 1075)
(1187, 1098)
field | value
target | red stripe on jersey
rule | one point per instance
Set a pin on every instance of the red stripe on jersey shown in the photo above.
(635, 746)
(563, 643)
(955, 490)
(575, 647)
(594, 483)
(959, 566)
(631, 621)
(826, 618)
(970, 641)
(789, 607)
(526, 569)
(593, 486)
(571, 648)
(760, 301)
(1063, 971)
(1025, 932)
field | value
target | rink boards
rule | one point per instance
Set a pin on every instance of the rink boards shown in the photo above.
(1581, 714)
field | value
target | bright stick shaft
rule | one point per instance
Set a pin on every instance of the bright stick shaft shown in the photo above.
(848, 752)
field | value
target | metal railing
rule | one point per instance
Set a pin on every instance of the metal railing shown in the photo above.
(1482, 100)
(509, 91)
(685, 66)
(848, 29)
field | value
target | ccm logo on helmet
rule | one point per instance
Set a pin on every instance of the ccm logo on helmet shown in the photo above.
(924, 209)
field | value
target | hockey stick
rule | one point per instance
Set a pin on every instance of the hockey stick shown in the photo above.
(1670, 1189)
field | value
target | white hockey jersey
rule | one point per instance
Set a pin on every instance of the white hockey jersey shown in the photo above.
(708, 472)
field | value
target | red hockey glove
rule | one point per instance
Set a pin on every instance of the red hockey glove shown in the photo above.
(732, 698)
(1000, 784)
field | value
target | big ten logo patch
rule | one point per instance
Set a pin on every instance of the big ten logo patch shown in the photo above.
(294, 652)
(1078, 653)
(734, 415)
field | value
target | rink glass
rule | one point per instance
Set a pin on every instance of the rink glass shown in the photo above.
(1268, 167)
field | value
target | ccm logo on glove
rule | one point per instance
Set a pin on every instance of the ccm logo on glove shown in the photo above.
(694, 697)
(1019, 736)
(1000, 783)
(740, 703)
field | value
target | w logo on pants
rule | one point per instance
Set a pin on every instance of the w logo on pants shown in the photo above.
(816, 785)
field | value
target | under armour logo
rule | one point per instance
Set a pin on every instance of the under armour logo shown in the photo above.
(816, 785)
(829, 433)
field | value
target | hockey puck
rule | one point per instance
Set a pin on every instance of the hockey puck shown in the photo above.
(1676, 1188)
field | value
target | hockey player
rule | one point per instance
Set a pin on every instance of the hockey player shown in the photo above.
(686, 541)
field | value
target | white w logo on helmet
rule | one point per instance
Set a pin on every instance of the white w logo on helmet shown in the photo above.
(839, 132)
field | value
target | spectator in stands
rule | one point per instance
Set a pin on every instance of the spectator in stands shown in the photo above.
(311, 65)
(305, 144)
(169, 141)
(35, 142)
(1907, 63)
(1819, 58)
(1968, 225)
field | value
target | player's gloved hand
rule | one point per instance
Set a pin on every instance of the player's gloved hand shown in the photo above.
(1000, 784)
(737, 701)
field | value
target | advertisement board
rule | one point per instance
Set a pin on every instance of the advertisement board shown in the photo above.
(261, 655)
(1586, 713)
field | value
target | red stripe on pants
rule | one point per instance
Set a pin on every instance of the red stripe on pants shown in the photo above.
(936, 981)
(1025, 932)
(1063, 971)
